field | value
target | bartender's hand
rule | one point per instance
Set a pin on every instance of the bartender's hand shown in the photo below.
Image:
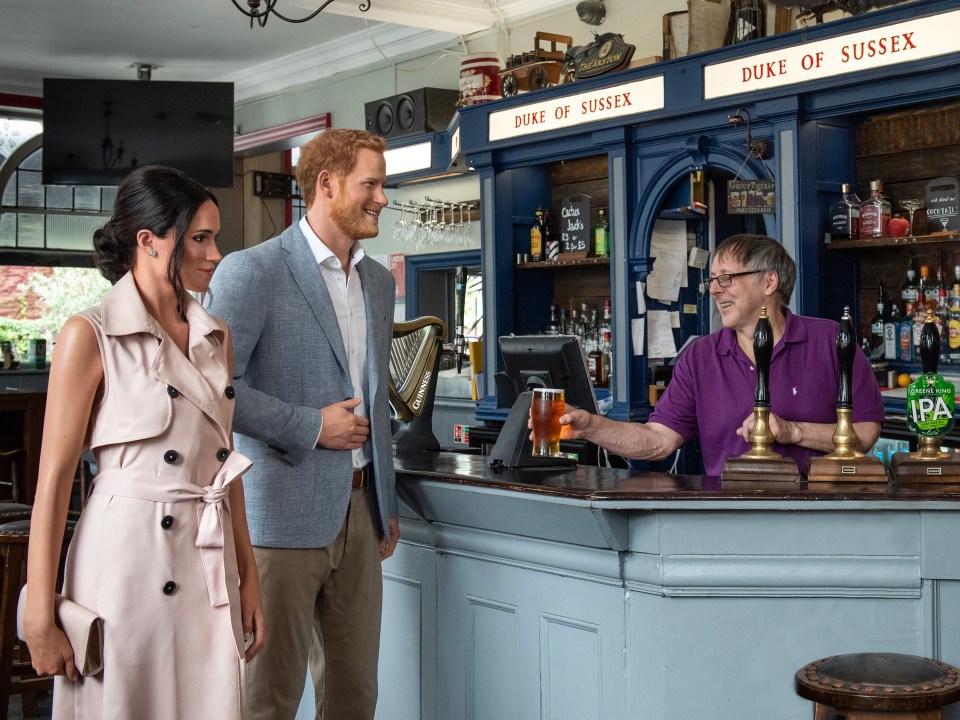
(784, 432)
(341, 429)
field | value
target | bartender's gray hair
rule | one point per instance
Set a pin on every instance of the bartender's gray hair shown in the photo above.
(760, 252)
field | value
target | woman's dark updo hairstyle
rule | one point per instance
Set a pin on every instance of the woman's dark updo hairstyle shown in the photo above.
(155, 198)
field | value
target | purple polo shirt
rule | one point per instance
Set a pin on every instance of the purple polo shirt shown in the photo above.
(713, 385)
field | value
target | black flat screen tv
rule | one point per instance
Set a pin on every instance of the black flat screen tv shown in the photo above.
(97, 131)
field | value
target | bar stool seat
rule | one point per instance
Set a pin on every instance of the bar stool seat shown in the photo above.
(14, 656)
(890, 686)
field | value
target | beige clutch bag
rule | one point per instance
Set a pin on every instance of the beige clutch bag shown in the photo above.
(82, 627)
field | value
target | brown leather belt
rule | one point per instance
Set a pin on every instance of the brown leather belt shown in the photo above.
(362, 476)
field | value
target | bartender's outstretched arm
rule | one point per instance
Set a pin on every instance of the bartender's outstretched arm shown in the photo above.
(641, 441)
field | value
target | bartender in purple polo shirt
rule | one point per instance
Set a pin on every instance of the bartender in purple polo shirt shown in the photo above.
(711, 392)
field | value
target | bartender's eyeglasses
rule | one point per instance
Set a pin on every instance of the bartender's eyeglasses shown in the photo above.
(725, 280)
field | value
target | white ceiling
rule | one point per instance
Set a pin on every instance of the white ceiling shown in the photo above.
(211, 39)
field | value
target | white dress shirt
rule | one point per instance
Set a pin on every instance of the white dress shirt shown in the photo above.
(346, 294)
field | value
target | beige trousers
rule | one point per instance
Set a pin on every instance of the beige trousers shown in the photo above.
(335, 591)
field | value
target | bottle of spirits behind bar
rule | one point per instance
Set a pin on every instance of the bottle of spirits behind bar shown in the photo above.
(601, 235)
(953, 332)
(536, 237)
(875, 213)
(905, 336)
(876, 332)
(845, 215)
(891, 345)
(908, 293)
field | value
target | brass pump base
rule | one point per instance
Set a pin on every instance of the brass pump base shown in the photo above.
(928, 465)
(846, 463)
(761, 463)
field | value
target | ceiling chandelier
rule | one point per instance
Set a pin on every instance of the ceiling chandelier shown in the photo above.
(261, 16)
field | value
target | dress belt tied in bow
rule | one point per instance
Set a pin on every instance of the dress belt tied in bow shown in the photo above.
(209, 499)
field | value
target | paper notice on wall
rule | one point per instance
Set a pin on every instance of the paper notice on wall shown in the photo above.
(660, 343)
(637, 327)
(641, 300)
(668, 247)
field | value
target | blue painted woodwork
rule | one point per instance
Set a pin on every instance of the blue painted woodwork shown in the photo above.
(809, 128)
(501, 603)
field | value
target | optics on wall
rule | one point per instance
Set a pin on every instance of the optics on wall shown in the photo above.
(270, 8)
(592, 12)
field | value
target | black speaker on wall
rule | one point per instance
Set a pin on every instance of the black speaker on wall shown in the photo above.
(417, 111)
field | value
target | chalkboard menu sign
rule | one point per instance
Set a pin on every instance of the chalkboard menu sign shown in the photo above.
(943, 207)
(574, 224)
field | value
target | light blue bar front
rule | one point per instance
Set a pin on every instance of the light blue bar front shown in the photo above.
(506, 605)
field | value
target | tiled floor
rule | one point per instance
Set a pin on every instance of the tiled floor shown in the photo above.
(43, 708)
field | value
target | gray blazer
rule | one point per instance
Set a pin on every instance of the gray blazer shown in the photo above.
(289, 361)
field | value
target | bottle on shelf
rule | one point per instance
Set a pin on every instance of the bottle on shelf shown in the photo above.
(953, 332)
(601, 235)
(845, 215)
(875, 213)
(891, 344)
(553, 328)
(919, 313)
(606, 339)
(536, 237)
(908, 293)
(563, 324)
(905, 335)
(876, 332)
(942, 317)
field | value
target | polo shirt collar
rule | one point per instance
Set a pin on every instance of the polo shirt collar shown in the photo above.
(794, 331)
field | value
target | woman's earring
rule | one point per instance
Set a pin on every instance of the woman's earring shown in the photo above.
(153, 253)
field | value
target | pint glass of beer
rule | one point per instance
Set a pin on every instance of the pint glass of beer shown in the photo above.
(545, 411)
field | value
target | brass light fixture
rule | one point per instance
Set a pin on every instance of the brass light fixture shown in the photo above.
(270, 8)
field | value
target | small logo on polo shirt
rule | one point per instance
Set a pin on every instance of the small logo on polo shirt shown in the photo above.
(794, 390)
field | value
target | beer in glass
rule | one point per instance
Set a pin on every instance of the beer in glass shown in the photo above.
(545, 410)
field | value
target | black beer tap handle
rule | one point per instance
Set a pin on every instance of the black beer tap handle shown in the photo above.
(846, 347)
(929, 344)
(762, 351)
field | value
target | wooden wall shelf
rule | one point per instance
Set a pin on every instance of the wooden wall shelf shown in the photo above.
(561, 264)
(888, 242)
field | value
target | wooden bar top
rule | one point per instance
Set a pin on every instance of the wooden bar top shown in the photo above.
(606, 484)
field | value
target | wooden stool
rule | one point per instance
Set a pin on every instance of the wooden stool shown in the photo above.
(14, 656)
(878, 686)
(10, 473)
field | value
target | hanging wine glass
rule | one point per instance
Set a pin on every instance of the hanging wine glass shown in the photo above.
(911, 205)
(400, 226)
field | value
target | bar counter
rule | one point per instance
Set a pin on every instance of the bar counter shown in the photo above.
(596, 593)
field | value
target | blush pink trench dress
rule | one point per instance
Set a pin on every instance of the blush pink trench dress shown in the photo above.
(153, 553)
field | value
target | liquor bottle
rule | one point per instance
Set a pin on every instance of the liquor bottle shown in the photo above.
(536, 237)
(876, 332)
(942, 317)
(601, 235)
(891, 345)
(919, 317)
(553, 328)
(845, 215)
(908, 293)
(875, 213)
(905, 336)
(564, 323)
(953, 332)
(606, 339)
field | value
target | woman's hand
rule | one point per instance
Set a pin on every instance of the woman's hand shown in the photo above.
(252, 617)
(50, 652)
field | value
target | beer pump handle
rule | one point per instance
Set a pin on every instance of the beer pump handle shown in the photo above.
(846, 347)
(762, 351)
(929, 344)
(459, 297)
